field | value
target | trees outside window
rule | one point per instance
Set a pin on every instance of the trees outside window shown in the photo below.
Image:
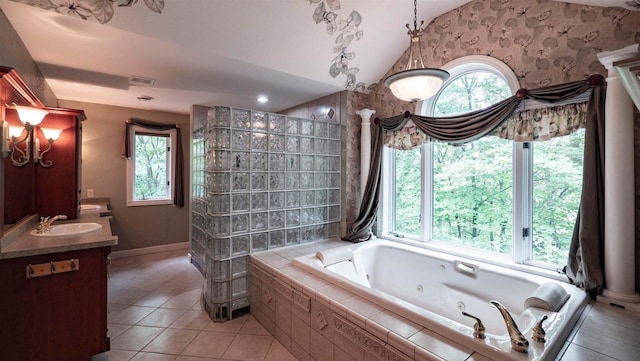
(515, 199)
(149, 171)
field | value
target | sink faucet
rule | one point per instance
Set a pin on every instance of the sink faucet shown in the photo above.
(46, 222)
(518, 341)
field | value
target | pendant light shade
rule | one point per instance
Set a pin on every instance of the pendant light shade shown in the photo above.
(416, 82)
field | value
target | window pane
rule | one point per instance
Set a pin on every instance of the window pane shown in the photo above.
(472, 184)
(407, 191)
(472, 194)
(557, 185)
(471, 91)
(150, 167)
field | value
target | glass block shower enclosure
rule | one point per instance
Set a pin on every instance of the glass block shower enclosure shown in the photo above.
(259, 181)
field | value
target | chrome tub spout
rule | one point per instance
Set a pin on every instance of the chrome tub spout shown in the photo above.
(518, 341)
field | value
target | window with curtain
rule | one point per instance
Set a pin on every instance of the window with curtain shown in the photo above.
(513, 194)
(150, 169)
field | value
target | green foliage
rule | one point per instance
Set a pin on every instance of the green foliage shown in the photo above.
(557, 185)
(472, 194)
(408, 179)
(472, 183)
(151, 166)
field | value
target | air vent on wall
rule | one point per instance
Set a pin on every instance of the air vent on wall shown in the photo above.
(142, 81)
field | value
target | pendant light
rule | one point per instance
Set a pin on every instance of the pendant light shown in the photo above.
(416, 82)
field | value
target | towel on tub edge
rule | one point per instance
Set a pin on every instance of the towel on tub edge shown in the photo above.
(335, 255)
(549, 296)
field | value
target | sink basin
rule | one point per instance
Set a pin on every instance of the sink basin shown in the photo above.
(69, 229)
(89, 207)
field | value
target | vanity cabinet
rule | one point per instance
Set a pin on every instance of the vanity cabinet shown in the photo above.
(61, 316)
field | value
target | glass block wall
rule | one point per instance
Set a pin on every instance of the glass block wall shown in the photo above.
(260, 181)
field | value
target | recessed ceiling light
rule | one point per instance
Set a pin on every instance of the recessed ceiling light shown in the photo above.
(263, 99)
(144, 98)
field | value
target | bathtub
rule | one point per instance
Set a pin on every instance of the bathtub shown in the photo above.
(432, 289)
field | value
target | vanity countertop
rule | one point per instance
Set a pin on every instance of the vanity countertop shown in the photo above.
(23, 244)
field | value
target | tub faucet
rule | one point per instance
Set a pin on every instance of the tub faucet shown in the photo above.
(46, 222)
(518, 341)
(539, 332)
(478, 328)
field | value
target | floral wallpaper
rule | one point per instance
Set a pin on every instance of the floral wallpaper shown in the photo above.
(544, 42)
(100, 10)
(346, 30)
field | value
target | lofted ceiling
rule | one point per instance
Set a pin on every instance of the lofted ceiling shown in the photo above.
(219, 52)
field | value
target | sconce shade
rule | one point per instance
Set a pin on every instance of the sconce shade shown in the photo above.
(30, 115)
(416, 84)
(15, 131)
(51, 133)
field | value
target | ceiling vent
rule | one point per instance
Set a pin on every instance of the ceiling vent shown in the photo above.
(142, 81)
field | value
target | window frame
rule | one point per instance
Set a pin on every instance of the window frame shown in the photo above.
(522, 249)
(171, 161)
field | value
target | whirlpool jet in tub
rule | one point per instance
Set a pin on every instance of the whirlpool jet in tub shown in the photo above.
(433, 289)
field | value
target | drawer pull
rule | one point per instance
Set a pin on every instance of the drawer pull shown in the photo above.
(51, 268)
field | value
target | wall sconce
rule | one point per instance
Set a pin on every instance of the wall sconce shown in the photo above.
(30, 118)
(52, 135)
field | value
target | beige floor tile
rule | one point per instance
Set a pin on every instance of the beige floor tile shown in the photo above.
(114, 355)
(161, 317)
(135, 338)
(146, 356)
(277, 352)
(115, 307)
(116, 329)
(230, 326)
(248, 348)
(183, 300)
(154, 299)
(126, 296)
(171, 341)
(173, 286)
(577, 353)
(253, 327)
(209, 344)
(130, 315)
(192, 320)
(191, 358)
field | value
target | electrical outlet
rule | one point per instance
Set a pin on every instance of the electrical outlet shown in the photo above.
(90, 193)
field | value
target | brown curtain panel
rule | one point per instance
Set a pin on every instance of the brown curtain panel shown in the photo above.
(178, 182)
(585, 261)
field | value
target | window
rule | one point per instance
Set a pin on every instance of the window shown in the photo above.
(150, 169)
(506, 200)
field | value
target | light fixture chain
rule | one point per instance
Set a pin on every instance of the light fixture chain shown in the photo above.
(415, 14)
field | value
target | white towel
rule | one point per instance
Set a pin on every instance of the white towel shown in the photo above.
(335, 255)
(549, 296)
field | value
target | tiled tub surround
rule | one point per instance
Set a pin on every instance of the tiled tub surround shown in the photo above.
(432, 289)
(317, 320)
(260, 181)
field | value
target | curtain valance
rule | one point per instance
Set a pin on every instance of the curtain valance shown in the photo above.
(178, 185)
(543, 123)
(521, 126)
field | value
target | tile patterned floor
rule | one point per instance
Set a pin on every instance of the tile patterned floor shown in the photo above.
(604, 333)
(156, 314)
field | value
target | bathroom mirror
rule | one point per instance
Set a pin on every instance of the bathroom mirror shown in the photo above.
(18, 183)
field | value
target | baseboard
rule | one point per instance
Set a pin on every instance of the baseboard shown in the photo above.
(150, 250)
